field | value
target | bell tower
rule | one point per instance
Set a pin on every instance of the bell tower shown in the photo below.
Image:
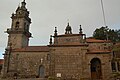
(19, 32)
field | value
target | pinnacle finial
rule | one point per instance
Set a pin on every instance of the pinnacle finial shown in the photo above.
(80, 30)
(68, 24)
(55, 29)
(68, 29)
(23, 3)
(55, 34)
(50, 39)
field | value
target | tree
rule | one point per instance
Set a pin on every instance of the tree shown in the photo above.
(118, 35)
(104, 33)
(101, 33)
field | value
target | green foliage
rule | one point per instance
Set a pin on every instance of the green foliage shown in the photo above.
(51, 78)
(116, 74)
(104, 33)
(116, 49)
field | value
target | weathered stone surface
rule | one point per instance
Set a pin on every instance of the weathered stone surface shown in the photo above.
(69, 57)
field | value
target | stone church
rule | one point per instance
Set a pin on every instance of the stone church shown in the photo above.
(68, 56)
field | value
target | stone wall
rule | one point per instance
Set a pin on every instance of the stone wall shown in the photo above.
(105, 64)
(27, 64)
(68, 61)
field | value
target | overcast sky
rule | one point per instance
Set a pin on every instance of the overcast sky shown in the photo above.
(47, 14)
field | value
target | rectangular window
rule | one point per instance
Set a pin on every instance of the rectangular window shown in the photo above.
(113, 66)
(118, 66)
(48, 57)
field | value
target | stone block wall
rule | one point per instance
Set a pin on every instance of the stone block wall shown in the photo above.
(105, 64)
(27, 64)
(68, 61)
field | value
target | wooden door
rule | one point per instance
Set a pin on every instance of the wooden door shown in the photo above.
(96, 69)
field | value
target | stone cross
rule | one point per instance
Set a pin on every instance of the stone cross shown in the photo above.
(41, 60)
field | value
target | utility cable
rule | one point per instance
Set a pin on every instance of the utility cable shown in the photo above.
(104, 19)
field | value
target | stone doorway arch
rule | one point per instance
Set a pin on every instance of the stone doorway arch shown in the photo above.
(41, 72)
(96, 72)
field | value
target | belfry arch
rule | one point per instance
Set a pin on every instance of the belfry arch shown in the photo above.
(95, 66)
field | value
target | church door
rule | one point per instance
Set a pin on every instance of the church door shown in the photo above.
(96, 69)
(41, 72)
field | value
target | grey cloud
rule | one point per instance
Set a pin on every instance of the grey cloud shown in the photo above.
(46, 14)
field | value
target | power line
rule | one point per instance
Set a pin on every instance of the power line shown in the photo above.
(104, 19)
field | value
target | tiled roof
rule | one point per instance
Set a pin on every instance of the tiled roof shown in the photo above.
(33, 49)
(1, 61)
(92, 40)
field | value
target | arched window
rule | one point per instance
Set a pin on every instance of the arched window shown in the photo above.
(48, 57)
(17, 25)
(96, 68)
(41, 71)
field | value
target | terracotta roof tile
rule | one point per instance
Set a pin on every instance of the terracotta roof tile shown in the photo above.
(1, 61)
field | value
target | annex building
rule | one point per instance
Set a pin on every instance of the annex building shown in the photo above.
(68, 56)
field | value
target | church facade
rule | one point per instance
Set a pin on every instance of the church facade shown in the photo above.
(68, 56)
